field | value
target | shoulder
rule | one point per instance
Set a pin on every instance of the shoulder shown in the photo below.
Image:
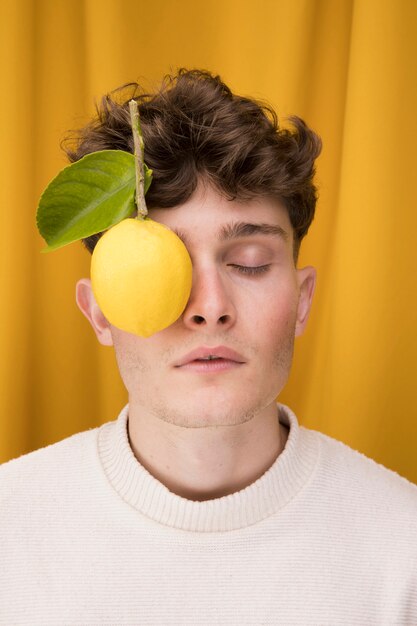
(28, 474)
(369, 483)
(371, 508)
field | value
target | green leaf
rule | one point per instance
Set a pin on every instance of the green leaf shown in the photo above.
(88, 197)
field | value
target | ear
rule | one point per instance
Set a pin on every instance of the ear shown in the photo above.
(88, 306)
(306, 285)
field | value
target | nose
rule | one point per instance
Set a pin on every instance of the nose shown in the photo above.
(210, 304)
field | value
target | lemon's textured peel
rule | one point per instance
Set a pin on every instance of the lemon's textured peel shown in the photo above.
(141, 276)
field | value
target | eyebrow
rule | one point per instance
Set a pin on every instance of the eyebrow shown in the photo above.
(243, 229)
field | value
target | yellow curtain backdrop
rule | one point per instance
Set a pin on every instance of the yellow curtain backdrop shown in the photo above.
(347, 67)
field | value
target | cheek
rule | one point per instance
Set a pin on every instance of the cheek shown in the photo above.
(278, 322)
(131, 357)
(279, 309)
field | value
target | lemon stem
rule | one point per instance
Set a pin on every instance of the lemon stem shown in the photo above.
(139, 159)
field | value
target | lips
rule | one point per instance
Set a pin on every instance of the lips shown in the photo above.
(221, 352)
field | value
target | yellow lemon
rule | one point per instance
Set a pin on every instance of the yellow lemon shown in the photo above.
(141, 276)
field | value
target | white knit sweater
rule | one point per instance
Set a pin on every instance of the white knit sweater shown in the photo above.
(88, 537)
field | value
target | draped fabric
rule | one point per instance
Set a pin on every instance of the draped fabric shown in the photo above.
(349, 69)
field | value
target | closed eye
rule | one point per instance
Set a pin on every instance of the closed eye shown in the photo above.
(244, 269)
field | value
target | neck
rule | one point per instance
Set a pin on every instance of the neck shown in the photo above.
(208, 462)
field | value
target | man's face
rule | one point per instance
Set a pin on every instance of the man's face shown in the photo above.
(256, 313)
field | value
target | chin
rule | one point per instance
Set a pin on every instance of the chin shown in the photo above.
(214, 409)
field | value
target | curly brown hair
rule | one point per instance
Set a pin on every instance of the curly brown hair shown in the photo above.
(195, 128)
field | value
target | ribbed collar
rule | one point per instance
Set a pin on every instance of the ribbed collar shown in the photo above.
(259, 500)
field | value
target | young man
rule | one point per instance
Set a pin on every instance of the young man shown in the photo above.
(205, 501)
